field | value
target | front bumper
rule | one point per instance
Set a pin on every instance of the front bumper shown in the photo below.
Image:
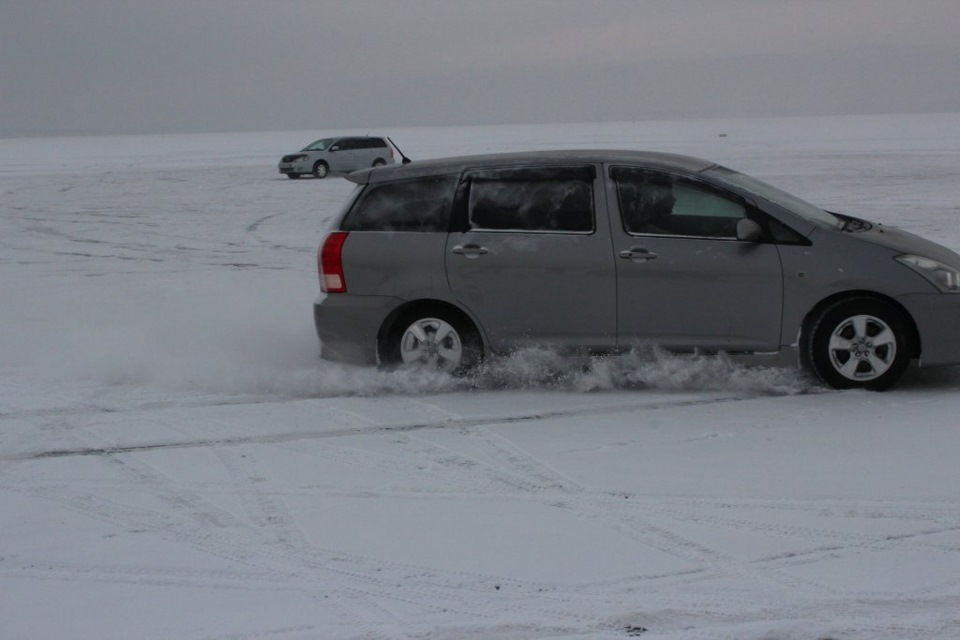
(294, 167)
(937, 316)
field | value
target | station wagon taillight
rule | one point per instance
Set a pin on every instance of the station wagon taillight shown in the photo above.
(329, 263)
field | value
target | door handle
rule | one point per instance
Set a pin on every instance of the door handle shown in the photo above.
(470, 250)
(637, 254)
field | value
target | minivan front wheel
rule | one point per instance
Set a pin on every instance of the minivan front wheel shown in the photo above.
(434, 339)
(861, 343)
(320, 169)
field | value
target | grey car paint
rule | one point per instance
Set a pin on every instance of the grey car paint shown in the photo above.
(563, 283)
(601, 290)
(699, 293)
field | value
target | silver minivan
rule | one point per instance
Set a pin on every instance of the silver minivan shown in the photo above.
(337, 155)
(446, 262)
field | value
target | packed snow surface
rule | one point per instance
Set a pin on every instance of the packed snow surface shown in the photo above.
(176, 462)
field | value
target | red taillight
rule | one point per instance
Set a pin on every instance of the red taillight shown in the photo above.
(329, 264)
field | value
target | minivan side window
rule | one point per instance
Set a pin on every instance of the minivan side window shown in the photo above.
(664, 204)
(542, 199)
(408, 205)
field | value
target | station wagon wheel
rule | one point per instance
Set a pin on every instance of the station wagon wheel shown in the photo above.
(434, 338)
(861, 343)
(320, 169)
(379, 162)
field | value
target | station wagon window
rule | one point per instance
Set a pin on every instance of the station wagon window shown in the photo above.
(664, 204)
(409, 205)
(320, 145)
(542, 199)
(353, 144)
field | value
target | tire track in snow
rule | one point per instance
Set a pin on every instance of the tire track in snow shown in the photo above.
(221, 535)
(300, 569)
(463, 423)
(536, 478)
(371, 582)
(510, 472)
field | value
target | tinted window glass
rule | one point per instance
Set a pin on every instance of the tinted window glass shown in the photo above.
(320, 145)
(361, 143)
(814, 214)
(664, 204)
(531, 203)
(409, 205)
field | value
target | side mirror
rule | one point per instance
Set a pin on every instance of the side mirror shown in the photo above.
(334, 148)
(749, 231)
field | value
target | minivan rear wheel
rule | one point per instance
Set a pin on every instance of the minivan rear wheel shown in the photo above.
(860, 343)
(433, 338)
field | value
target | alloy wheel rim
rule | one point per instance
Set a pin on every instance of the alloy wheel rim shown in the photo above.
(431, 342)
(862, 348)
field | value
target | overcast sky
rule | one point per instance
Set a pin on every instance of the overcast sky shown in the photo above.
(119, 66)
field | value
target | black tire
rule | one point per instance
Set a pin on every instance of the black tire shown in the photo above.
(379, 162)
(293, 176)
(858, 343)
(320, 170)
(433, 337)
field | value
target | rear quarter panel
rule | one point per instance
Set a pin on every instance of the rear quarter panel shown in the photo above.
(404, 265)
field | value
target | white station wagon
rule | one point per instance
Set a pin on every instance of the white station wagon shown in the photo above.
(337, 155)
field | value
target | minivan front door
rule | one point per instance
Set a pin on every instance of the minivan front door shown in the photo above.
(529, 260)
(684, 281)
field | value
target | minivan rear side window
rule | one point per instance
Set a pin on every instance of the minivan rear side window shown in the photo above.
(541, 199)
(406, 205)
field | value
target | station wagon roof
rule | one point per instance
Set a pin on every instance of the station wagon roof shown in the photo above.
(438, 166)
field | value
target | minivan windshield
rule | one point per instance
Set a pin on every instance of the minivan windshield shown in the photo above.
(319, 145)
(788, 201)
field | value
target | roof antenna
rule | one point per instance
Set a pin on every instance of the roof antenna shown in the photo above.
(403, 159)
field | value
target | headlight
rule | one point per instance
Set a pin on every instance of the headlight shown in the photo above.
(943, 277)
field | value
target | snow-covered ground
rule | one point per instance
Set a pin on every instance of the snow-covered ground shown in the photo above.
(177, 463)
